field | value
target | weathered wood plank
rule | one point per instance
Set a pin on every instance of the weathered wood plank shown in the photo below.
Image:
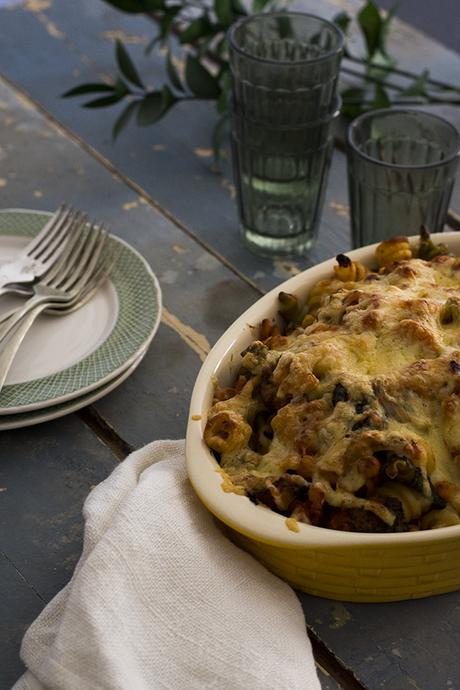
(397, 646)
(45, 475)
(19, 605)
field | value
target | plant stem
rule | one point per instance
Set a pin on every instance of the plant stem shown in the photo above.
(402, 73)
(400, 89)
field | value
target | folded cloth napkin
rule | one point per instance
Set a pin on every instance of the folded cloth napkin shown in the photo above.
(161, 599)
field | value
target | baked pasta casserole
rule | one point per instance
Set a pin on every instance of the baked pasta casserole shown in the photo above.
(345, 412)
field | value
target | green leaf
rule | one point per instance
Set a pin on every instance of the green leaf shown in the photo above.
(226, 83)
(150, 109)
(165, 26)
(239, 10)
(284, 27)
(352, 102)
(342, 19)
(87, 88)
(136, 6)
(200, 82)
(260, 5)
(131, 6)
(173, 75)
(219, 133)
(371, 25)
(196, 29)
(154, 105)
(223, 10)
(103, 102)
(381, 99)
(121, 88)
(124, 118)
(126, 65)
(419, 86)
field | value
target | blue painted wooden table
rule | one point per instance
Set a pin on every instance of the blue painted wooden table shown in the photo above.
(156, 188)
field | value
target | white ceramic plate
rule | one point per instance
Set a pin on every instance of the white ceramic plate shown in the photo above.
(16, 421)
(66, 357)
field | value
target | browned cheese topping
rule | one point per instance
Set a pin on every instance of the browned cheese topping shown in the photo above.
(349, 416)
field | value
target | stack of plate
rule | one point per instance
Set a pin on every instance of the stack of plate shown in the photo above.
(67, 362)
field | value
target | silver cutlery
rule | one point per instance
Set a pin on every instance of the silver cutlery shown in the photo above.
(41, 253)
(67, 276)
(91, 275)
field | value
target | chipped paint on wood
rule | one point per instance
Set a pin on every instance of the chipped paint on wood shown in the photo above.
(3, 182)
(38, 194)
(37, 5)
(130, 205)
(395, 651)
(158, 147)
(413, 683)
(120, 35)
(50, 26)
(341, 616)
(203, 153)
(226, 184)
(342, 210)
(169, 277)
(179, 249)
(197, 341)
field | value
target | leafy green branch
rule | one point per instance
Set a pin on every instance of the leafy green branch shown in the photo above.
(192, 34)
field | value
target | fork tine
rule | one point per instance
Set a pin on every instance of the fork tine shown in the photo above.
(77, 262)
(89, 290)
(101, 271)
(48, 228)
(89, 260)
(57, 244)
(59, 268)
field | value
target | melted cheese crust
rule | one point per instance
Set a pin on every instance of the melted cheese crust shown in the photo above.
(353, 422)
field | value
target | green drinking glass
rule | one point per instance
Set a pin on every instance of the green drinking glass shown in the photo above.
(284, 69)
(401, 172)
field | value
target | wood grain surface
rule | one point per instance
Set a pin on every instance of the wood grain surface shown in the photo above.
(156, 188)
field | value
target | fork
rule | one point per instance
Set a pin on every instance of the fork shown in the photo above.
(64, 280)
(88, 288)
(40, 254)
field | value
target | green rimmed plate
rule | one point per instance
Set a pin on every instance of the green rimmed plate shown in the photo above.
(16, 421)
(68, 356)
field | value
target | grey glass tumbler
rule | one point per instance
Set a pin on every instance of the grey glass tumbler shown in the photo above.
(284, 70)
(401, 172)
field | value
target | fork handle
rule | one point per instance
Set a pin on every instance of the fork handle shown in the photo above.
(11, 345)
(15, 289)
(11, 319)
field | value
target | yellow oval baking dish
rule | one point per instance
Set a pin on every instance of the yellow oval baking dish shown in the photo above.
(348, 566)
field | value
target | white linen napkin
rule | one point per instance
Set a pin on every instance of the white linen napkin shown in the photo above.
(161, 599)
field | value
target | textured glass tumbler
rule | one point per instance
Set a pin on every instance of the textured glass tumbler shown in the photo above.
(280, 175)
(284, 76)
(401, 172)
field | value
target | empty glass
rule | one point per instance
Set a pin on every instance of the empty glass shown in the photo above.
(401, 172)
(285, 69)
